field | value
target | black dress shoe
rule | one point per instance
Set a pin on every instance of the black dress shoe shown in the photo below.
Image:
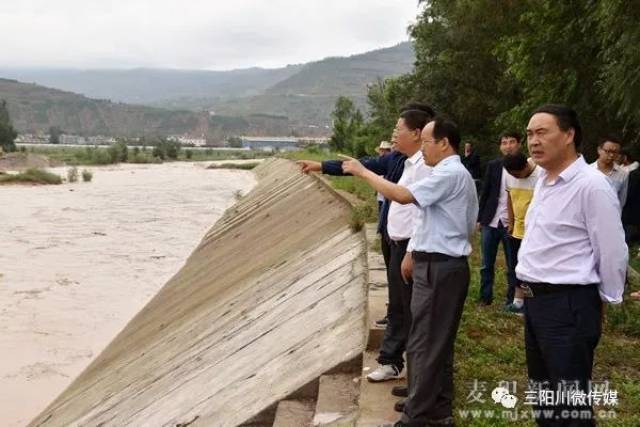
(382, 322)
(399, 406)
(441, 422)
(400, 391)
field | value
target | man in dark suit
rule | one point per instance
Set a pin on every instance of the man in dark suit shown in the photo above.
(493, 219)
(631, 211)
(471, 161)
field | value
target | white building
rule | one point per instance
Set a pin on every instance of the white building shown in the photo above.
(270, 143)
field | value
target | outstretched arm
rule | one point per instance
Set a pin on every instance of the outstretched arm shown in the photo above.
(308, 166)
(391, 191)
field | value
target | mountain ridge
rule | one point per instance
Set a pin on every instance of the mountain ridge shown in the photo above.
(296, 99)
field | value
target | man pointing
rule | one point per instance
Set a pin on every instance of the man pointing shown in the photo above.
(440, 246)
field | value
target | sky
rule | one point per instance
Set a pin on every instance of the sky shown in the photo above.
(195, 34)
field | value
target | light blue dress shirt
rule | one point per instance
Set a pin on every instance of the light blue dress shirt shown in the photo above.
(449, 205)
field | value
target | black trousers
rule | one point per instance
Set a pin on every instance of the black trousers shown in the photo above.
(440, 286)
(562, 331)
(514, 248)
(394, 342)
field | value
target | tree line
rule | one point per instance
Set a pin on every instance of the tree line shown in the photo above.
(489, 63)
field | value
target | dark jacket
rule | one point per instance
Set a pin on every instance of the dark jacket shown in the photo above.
(390, 166)
(490, 193)
(631, 210)
(472, 163)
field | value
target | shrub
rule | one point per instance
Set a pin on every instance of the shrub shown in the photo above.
(36, 176)
(72, 174)
(87, 175)
(244, 166)
(101, 157)
(361, 214)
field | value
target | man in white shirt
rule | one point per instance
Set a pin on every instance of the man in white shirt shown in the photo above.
(441, 243)
(608, 151)
(400, 224)
(573, 259)
(628, 162)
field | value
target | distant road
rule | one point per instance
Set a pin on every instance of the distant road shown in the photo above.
(27, 144)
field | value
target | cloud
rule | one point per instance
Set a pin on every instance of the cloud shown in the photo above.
(188, 34)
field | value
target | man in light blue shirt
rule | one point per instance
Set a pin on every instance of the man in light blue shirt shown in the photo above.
(440, 244)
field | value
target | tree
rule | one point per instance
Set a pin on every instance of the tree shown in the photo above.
(554, 57)
(385, 99)
(119, 152)
(234, 142)
(347, 121)
(620, 40)
(7, 133)
(457, 71)
(54, 135)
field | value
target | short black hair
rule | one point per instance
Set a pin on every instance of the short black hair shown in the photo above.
(415, 119)
(627, 152)
(514, 162)
(566, 117)
(419, 106)
(610, 138)
(511, 134)
(446, 128)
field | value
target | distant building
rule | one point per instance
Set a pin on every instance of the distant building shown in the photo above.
(72, 139)
(270, 143)
(28, 138)
(185, 140)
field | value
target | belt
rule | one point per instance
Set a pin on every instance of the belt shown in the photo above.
(397, 242)
(435, 257)
(536, 289)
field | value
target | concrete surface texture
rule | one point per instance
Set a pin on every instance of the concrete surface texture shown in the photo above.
(273, 297)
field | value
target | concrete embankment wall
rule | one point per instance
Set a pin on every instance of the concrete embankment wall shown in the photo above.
(274, 296)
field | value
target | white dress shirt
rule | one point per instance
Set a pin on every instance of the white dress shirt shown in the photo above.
(619, 180)
(403, 219)
(630, 167)
(502, 212)
(449, 204)
(573, 233)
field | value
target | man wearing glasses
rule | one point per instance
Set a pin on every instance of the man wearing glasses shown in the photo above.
(440, 245)
(608, 151)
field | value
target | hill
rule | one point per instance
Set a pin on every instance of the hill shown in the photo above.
(309, 95)
(155, 86)
(35, 108)
(292, 99)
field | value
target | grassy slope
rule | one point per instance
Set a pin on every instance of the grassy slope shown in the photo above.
(490, 344)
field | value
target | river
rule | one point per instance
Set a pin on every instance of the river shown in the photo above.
(78, 260)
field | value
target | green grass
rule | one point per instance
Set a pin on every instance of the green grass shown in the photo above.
(634, 259)
(490, 343)
(32, 176)
(103, 155)
(368, 210)
(244, 166)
